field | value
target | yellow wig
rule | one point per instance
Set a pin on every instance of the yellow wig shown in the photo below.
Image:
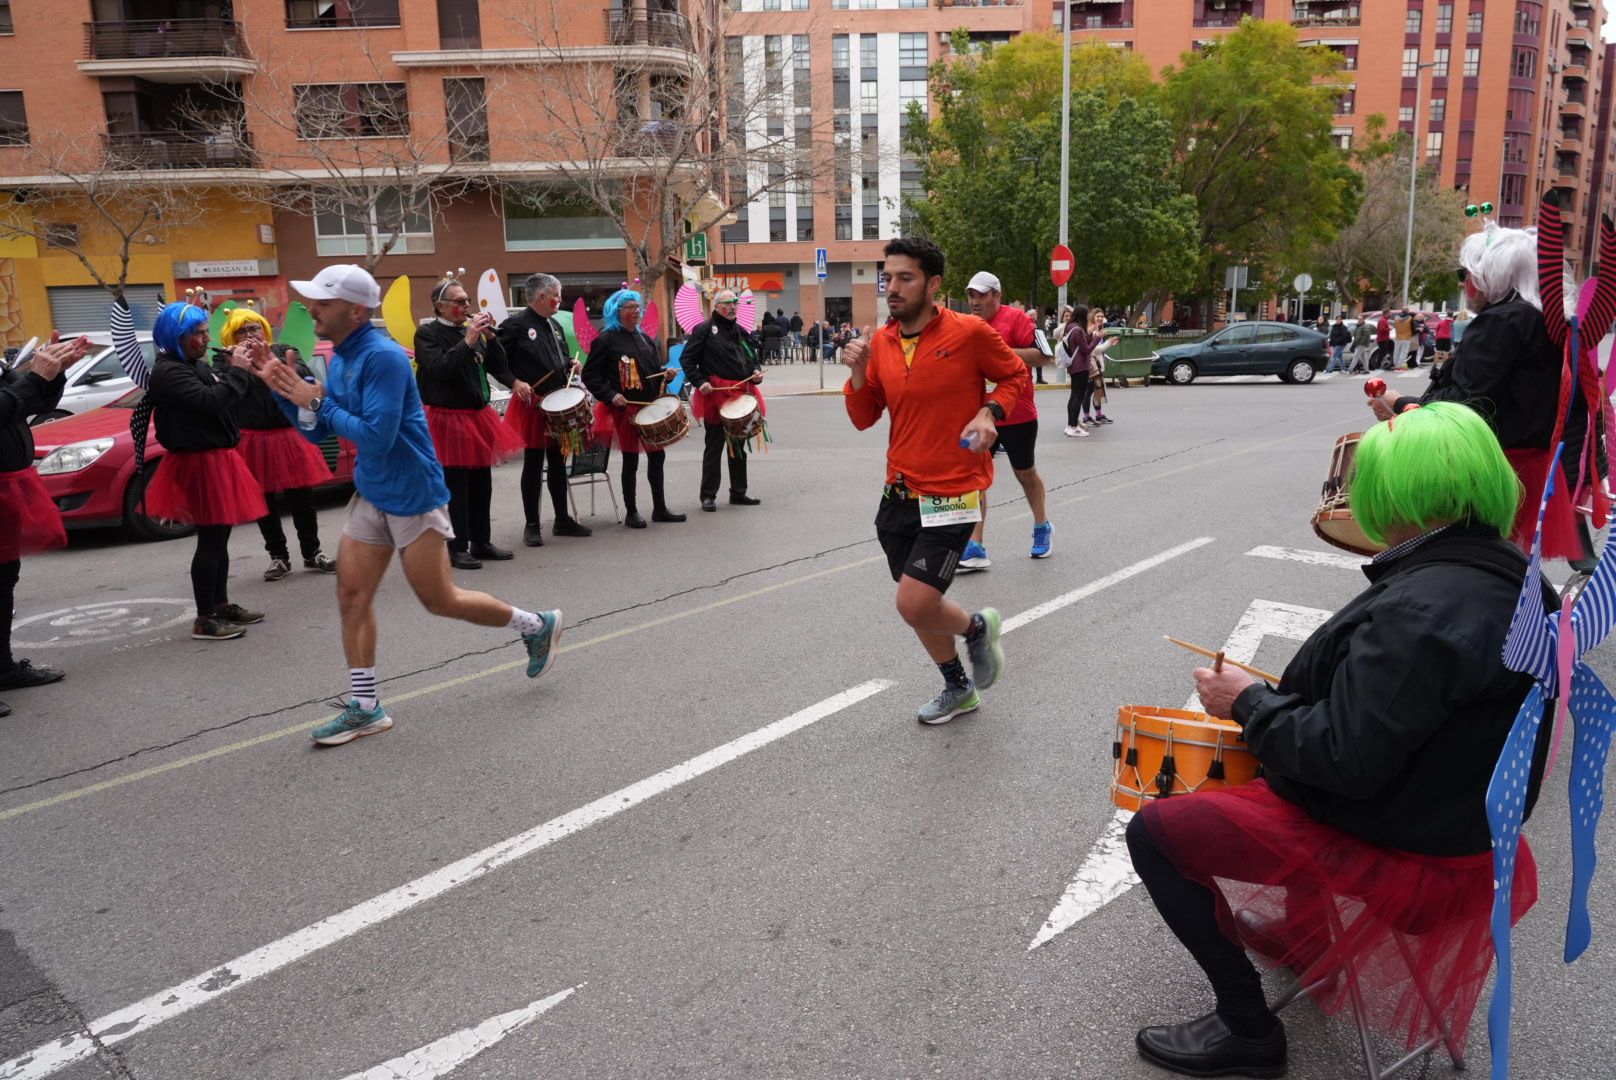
(238, 318)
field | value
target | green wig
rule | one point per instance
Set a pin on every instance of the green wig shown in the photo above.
(1430, 466)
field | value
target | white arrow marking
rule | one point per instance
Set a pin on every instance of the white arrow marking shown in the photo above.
(443, 1056)
(1107, 872)
(1303, 555)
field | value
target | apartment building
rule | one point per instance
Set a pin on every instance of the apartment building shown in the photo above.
(309, 132)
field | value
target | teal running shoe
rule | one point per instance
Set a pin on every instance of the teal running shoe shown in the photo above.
(353, 723)
(541, 647)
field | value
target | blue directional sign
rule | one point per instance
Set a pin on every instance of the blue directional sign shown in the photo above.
(821, 263)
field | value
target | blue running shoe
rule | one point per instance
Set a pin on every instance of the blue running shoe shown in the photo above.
(541, 647)
(354, 723)
(975, 557)
(1043, 540)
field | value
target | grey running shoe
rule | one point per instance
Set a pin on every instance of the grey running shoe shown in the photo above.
(953, 701)
(278, 568)
(987, 658)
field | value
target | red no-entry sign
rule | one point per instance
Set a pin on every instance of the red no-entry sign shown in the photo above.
(1061, 264)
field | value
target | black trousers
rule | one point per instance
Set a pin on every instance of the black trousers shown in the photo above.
(713, 452)
(1077, 401)
(1190, 911)
(654, 461)
(471, 494)
(9, 573)
(533, 463)
(210, 569)
(300, 502)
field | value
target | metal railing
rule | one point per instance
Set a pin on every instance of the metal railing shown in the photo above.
(978, 3)
(665, 28)
(156, 39)
(178, 149)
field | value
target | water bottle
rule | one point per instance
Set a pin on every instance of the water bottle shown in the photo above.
(307, 419)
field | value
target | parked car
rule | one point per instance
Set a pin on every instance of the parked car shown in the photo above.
(1294, 353)
(95, 380)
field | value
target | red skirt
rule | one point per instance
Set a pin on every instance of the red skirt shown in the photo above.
(281, 459)
(705, 406)
(471, 438)
(1415, 929)
(29, 520)
(529, 424)
(615, 427)
(1561, 538)
(205, 487)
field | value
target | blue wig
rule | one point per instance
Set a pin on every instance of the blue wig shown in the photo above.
(617, 300)
(173, 323)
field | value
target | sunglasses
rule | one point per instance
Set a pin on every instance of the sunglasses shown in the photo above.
(1463, 274)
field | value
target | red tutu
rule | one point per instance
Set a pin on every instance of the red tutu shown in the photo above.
(1561, 537)
(471, 438)
(615, 427)
(29, 520)
(1416, 935)
(280, 459)
(205, 487)
(705, 406)
(529, 424)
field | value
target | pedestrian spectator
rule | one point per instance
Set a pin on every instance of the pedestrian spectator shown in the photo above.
(1363, 346)
(1079, 345)
(1383, 342)
(1444, 338)
(796, 328)
(1460, 322)
(774, 331)
(1402, 339)
(1322, 323)
(1340, 338)
(1417, 351)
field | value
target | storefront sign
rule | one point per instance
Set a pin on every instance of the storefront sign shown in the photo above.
(222, 268)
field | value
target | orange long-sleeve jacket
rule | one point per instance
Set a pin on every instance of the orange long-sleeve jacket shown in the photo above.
(932, 399)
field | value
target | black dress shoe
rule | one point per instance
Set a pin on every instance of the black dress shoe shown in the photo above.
(741, 498)
(5, 710)
(709, 504)
(464, 560)
(26, 674)
(1206, 1047)
(666, 515)
(491, 553)
(532, 535)
(633, 520)
(570, 527)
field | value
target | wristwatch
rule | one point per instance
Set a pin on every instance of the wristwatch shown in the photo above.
(997, 410)
(314, 406)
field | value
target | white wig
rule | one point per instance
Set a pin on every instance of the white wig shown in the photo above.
(1500, 261)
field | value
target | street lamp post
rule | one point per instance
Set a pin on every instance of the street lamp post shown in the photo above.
(1413, 175)
(1066, 135)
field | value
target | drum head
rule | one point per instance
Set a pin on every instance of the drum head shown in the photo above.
(1340, 529)
(659, 410)
(739, 407)
(563, 400)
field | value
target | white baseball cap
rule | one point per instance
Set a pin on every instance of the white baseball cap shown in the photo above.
(983, 282)
(345, 282)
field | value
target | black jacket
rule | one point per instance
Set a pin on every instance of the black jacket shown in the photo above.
(258, 410)
(718, 347)
(194, 405)
(536, 350)
(450, 372)
(1388, 722)
(1340, 335)
(601, 374)
(23, 396)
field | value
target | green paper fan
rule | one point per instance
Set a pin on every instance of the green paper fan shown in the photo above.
(297, 330)
(216, 323)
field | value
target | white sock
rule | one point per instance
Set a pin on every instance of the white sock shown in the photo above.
(363, 681)
(525, 622)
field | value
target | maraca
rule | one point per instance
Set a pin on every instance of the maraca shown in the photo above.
(1374, 388)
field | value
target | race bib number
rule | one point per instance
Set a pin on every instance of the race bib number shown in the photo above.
(950, 509)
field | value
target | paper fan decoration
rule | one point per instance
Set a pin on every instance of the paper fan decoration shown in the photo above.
(687, 307)
(490, 297)
(746, 311)
(216, 322)
(396, 313)
(582, 328)
(652, 323)
(297, 330)
(678, 381)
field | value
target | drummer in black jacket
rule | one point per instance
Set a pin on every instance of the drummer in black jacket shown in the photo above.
(454, 358)
(536, 348)
(29, 520)
(718, 356)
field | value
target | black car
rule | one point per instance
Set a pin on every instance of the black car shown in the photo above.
(1295, 353)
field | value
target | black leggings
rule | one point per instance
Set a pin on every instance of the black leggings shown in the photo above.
(9, 572)
(300, 503)
(654, 460)
(533, 478)
(1190, 911)
(471, 493)
(1077, 403)
(210, 569)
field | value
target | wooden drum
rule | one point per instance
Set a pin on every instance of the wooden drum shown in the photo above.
(1164, 752)
(1333, 520)
(662, 423)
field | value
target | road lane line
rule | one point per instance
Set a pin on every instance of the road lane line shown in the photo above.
(1049, 607)
(1304, 555)
(165, 1005)
(443, 1056)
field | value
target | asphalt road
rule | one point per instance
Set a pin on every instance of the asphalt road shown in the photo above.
(843, 895)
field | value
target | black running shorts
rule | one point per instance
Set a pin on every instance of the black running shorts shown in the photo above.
(1017, 442)
(929, 555)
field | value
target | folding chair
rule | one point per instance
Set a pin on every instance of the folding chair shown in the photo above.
(588, 468)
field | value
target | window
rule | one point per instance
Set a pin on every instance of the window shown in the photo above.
(1411, 62)
(1411, 25)
(1342, 137)
(1405, 114)
(60, 234)
(1512, 189)
(771, 5)
(335, 14)
(869, 96)
(1473, 23)
(867, 58)
(1439, 110)
(1523, 65)
(799, 5)
(912, 50)
(839, 5)
(1439, 58)
(839, 52)
(465, 104)
(352, 110)
(1472, 61)
(844, 222)
(1346, 101)
(459, 24)
(539, 220)
(13, 119)
(347, 229)
(1244, 334)
(1433, 144)
(912, 90)
(1444, 18)
(5, 16)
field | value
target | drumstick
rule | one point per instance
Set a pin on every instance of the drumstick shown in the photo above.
(1218, 657)
(1217, 661)
(739, 385)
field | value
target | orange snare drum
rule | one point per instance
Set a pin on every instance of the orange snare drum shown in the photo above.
(662, 423)
(1333, 520)
(1164, 752)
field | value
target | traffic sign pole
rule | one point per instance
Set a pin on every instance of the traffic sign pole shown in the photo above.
(822, 269)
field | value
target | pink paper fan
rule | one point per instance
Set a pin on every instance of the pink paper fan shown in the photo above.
(582, 328)
(746, 311)
(652, 322)
(687, 307)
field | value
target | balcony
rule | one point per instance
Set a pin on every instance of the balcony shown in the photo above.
(1571, 146)
(167, 50)
(144, 151)
(1573, 108)
(651, 139)
(1218, 13)
(978, 3)
(667, 29)
(1322, 15)
(1575, 72)
(1580, 39)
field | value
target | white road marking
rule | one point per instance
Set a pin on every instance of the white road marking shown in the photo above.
(443, 1056)
(1032, 614)
(1303, 555)
(89, 624)
(1107, 872)
(167, 1004)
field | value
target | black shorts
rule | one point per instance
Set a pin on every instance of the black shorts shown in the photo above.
(929, 555)
(1017, 442)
